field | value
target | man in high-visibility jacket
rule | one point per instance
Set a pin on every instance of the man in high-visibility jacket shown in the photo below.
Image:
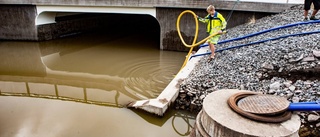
(307, 6)
(215, 24)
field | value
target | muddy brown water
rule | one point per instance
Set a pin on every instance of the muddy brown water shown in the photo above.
(79, 85)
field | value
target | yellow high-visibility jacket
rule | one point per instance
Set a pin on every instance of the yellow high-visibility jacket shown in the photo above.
(215, 23)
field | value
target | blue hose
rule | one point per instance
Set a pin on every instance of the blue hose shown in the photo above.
(304, 106)
(258, 33)
(257, 42)
(265, 31)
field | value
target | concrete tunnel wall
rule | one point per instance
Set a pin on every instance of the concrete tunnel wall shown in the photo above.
(18, 22)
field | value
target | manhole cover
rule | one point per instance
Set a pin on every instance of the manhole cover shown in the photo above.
(263, 104)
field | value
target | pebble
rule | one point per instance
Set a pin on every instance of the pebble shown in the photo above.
(313, 118)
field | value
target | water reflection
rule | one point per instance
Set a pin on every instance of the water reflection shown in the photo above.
(138, 72)
(21, 116)
(91, 69)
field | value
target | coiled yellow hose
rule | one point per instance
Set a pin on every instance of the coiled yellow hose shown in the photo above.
(194, 44)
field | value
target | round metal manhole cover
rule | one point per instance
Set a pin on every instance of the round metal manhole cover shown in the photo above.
(264, 104)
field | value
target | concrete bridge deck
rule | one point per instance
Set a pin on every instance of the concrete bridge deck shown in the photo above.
(246, 5)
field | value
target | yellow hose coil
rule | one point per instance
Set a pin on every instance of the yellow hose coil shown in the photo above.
(195, 35)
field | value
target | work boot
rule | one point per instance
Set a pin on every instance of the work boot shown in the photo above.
(313, 18)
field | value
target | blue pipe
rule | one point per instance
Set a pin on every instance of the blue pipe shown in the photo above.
(264, 31)
(257, 42)
(304, 106)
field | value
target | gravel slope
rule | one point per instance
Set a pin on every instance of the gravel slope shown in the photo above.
(288, 67)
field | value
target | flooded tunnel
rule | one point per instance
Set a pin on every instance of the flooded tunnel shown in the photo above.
(111, 25)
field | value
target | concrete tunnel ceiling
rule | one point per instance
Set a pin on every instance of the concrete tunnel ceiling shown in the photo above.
(47, 14)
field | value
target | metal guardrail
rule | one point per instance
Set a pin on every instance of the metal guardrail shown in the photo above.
(27, 92)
